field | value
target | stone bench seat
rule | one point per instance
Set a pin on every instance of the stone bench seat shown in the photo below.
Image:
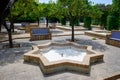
(39, 31)
(113, 38)
(40, 34)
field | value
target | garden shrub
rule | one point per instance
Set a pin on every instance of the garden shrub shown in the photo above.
(94, 38)
(77, 22)
(63, 21)
(87, 23)
(112, 23)
(95, 22)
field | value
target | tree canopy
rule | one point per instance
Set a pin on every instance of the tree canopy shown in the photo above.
(73, 10)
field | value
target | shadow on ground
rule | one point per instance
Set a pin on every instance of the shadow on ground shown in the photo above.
(65, 71)
(96, 46)
(12, 55)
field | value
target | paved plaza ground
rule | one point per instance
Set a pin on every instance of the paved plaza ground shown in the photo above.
(13, 67)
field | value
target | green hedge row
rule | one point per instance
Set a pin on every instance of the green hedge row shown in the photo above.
(112, 22)
(87, 23)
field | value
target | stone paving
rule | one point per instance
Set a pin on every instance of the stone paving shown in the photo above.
(12, 66)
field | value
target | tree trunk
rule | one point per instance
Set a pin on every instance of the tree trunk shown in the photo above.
(9, 34)
(0, 27)
(47, 22)
(102, 26)
(10, 38)
(12, 26)
(38, 21)
(73, 33)
(72, 25)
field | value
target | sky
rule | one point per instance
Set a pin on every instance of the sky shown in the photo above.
(102, 1)
(94, 1)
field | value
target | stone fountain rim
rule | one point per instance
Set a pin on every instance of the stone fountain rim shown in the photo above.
(54, 66)
(47, 63)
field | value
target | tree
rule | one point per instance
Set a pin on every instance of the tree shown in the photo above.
(96, 14)
(38, 12)
(49, 11)
(87, 18)
(63, 21)
(3, 8)
(113, 21)
(73, 10)
(116, 11)
(46, 12)
(35, 13)
(4, 15)
(0, 27)
(87, 22)
(105, 9)
(20, 8)
(14, 13)
(116, 6)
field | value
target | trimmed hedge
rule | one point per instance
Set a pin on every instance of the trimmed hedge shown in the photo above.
(96, 22)
(87, 23)
(63, 21)
(77, 22)
(112, 22)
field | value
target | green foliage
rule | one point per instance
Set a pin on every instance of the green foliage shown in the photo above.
(106, 10)
(87, 22)
(81, 19)
(100, 13)
(112, 22)
(50, 10)
(95, 12)
(94, 38)
(103, 20)
(63, 21)
(116, 6)
(53, 20)
(77, 22)
(21, 8)
(26, 19)
(119, 22)
(96, 21)
(46, 10)
(116, 12)
(73, 9)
